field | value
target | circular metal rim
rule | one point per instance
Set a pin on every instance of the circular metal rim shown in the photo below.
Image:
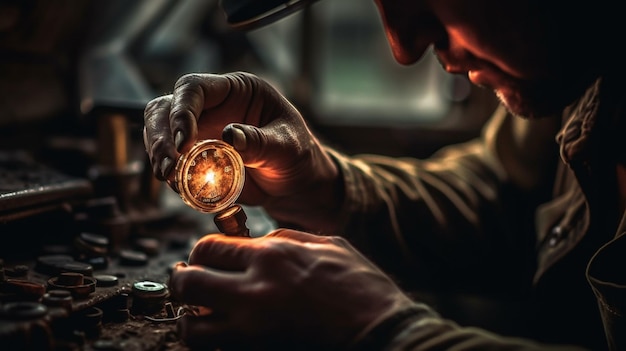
(182, 168)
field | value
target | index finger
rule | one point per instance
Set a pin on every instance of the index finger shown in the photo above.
(196, 285)
(192, 95)
(157, 136)
(219, 251)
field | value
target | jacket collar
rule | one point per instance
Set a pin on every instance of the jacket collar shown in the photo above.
(602, 106)
(579, 119)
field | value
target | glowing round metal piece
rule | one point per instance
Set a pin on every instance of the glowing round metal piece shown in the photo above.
(210, 176)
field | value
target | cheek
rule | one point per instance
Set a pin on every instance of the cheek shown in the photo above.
(511, 52)
(510, 35)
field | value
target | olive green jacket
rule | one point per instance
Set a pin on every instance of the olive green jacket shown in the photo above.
(529, 211)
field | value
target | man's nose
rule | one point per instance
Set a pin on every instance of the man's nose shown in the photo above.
(410, 29)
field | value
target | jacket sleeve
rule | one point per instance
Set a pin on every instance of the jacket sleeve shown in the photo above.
(420, 328)
(608, 285)
(464, 213)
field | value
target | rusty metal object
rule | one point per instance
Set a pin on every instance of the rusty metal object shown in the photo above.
(58, 298)
(24, 326)
(232, 221)
(21, 290)
(52, 264)
(28, 187)
(103, 216)
(90, 321)
(132, 258)
(91, 244)
(79, 285)
(106, 280)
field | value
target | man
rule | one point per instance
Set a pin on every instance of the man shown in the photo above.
(537, 200)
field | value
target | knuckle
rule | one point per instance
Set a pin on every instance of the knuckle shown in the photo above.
(203, 247)
(244, 75)
(276, 250)
(243, 80)
(159, 100)
(278, 233)
(189, 79)
(337, 240)
(157, 104)
(156, 145)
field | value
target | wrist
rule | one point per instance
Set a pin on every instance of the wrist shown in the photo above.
(383, 330)
(318, 206)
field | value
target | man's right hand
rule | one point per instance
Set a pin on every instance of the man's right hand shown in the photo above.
(288, 290)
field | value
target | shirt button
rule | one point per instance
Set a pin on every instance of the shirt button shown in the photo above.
(556, 235)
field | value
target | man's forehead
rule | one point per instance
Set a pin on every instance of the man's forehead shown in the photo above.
(251, 14)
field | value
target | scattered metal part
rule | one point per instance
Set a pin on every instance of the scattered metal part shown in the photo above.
(24, 325)
(106, 280)
(77, 267)
(52, 264)
(148, 297)
(149, 246)
(79, 285)
(58, 298)
(91, 244)
(132, 258)
(21, 290)
(179, 314)
(23, 310)
(197, 311)
(90, 321)
(18, 271)
(169, 310)
(117, 308)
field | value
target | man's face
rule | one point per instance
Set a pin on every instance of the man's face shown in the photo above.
(532, 54)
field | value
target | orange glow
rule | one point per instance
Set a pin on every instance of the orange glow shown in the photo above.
(209, 177)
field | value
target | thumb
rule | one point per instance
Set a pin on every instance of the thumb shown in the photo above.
(297, 235)
(248, 140)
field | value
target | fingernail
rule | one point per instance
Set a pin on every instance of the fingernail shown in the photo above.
(178, 139)
(172, 185)
(180, 264)
(166, 166)
(239, 139)
(145, 140)
(176, 266)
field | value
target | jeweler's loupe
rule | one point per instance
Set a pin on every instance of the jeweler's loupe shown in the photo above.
(210, 176)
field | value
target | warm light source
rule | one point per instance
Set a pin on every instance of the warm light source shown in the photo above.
(210, 177)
